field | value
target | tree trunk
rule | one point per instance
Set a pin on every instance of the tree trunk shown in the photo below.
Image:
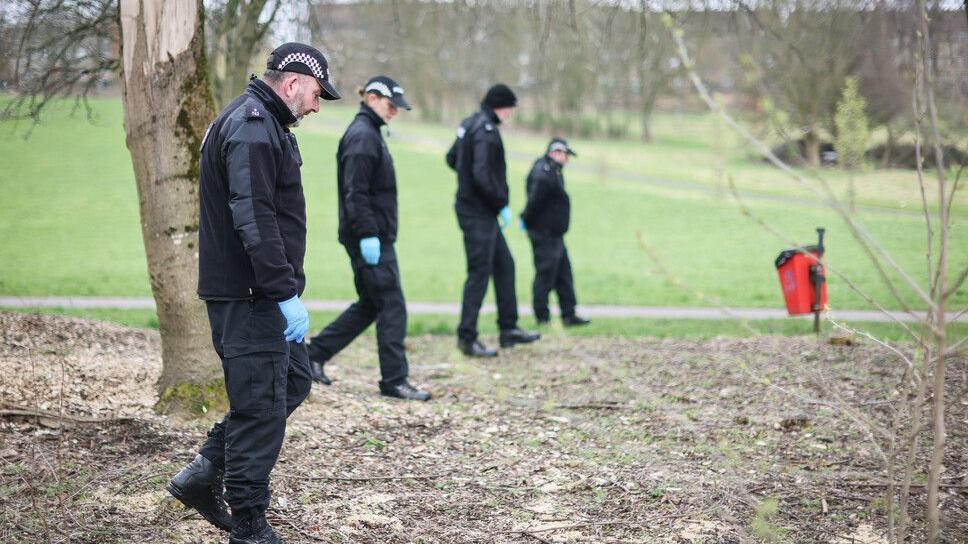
(167, 106)
(888, 147)
(811, 148)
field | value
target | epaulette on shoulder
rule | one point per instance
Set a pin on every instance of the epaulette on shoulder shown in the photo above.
(254, 112)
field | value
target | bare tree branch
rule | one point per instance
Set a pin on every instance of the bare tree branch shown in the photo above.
(826, 196)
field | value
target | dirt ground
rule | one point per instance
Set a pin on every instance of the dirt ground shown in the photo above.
(569, 440)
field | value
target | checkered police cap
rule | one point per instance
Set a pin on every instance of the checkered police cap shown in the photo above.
(385, 86)
(303, 59)
(559, 144)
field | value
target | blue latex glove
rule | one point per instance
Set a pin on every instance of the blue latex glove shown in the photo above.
(521, 225)
(297, 319)
(370, 248)
(504, 216)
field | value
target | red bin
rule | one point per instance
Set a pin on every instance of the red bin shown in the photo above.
(797, 271)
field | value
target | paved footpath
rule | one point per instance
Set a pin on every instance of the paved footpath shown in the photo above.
(443, 308)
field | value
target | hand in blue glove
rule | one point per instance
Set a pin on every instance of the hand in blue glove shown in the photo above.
(370, 248)
(297, 319)
(504, 216)
(521, 225)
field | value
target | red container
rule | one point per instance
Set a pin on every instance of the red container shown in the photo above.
(797, 274)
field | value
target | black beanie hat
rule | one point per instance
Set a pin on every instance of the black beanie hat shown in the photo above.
(500, 96)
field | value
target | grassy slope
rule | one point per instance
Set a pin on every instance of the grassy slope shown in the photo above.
(69, 218)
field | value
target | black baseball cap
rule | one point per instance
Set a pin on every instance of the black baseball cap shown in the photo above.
(559, 144)
(384, 86)
(303, 59)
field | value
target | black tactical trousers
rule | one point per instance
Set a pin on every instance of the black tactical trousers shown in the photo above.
(266, 378)
(487, 255)
(552, 270)
(381, 300)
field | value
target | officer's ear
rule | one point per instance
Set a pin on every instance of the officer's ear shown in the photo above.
(290, 85)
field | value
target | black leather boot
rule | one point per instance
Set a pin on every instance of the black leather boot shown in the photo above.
(404, 391)
(574, 321)
(199, 486)
(510, 337)
(316, 370)
(475, 348)
(255, 530)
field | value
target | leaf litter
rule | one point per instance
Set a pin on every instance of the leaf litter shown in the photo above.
(589, 439)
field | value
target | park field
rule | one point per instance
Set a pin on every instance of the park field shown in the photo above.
(69, 215)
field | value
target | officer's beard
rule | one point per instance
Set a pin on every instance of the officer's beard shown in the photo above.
(297, 106)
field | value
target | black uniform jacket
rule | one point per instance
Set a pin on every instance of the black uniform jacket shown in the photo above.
(549, 209)
(366, 182)
(252, 231)
(478, 157)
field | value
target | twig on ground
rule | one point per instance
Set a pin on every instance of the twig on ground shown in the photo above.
(571, 526)
(7, 410)
(372, 478)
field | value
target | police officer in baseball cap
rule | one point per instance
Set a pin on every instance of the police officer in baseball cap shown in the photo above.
(546, 218)
(252, 241)
(367, 194)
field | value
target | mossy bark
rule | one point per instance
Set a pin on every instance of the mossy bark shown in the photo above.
(192, 399)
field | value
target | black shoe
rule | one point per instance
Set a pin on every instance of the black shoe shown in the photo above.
(255, 530)
(510, 337)
(574, 321)
(475, 348)
(543, 320)
(316, 370)
(199, 486)
(403, 391)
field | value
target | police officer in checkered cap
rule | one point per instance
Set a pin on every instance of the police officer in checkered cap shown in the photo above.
(545, 218)
(252, 240)
(367, 195)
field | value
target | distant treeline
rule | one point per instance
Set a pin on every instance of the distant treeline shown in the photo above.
(580, 67)
(602, 68)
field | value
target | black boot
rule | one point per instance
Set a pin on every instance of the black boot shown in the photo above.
(510, 337)
(574, 321)
(403, 391)
(316, 369)
(199, 486)
(255, 530)
(475, 348)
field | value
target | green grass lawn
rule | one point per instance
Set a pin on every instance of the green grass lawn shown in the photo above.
(69, 216)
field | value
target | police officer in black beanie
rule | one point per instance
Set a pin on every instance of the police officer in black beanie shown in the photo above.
(546, 217)
(482, 213)
(367, 192)
(252, 240)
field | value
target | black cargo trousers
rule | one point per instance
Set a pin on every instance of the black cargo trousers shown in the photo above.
(266, 378)
(487, 255)
(381, 300)
(552, 271)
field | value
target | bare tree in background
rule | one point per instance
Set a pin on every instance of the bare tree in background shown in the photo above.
(236, 29)
(67, 49)
(802, 53)
(57, 48)
(653, 68)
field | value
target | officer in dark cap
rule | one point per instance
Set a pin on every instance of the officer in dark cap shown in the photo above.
(252, 239)
(546, 219)
(367, 192)
(482, 213)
